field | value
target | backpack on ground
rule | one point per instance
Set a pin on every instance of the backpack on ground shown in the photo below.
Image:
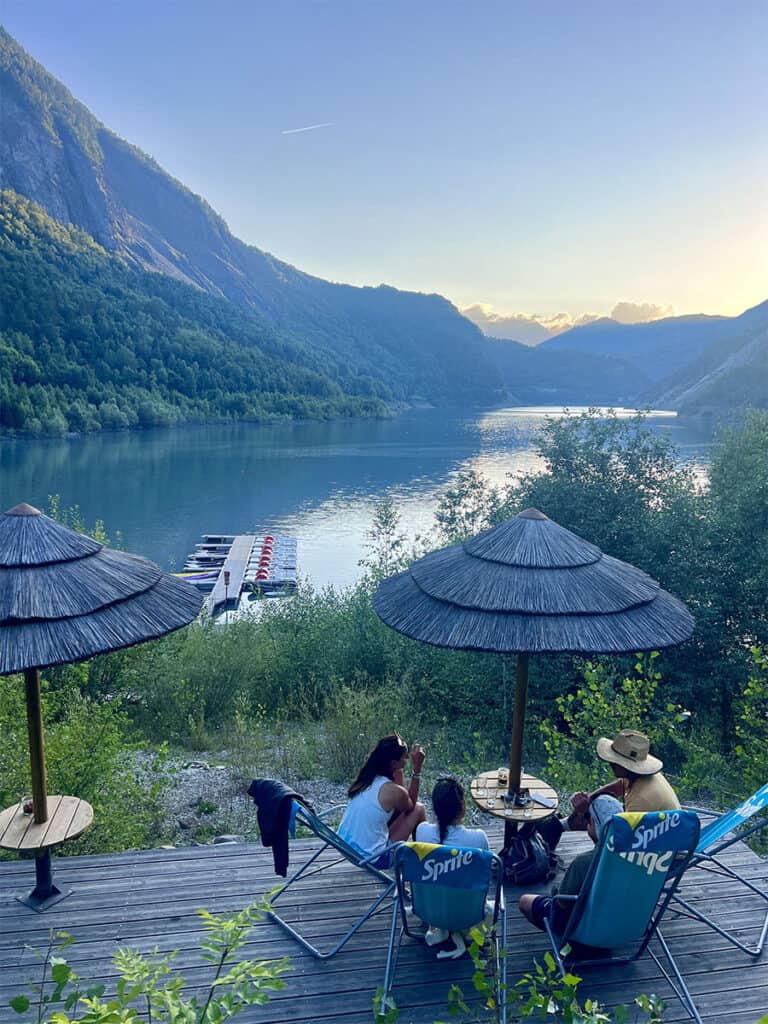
(527, 859)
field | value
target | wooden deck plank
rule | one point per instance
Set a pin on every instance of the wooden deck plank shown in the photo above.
(150, 898)
(234, 565)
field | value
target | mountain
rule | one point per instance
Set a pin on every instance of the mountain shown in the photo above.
(656, 349)
(398, 346)
(539, 376)
(730, 375)
(706, 367)
(88, 342)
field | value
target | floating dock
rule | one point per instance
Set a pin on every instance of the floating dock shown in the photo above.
(229, 566)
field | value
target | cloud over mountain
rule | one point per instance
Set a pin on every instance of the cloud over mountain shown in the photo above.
(531, 328)
(640, 312)
(528, 328)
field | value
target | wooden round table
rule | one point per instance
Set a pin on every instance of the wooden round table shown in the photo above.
(68, 817)
(488, 793)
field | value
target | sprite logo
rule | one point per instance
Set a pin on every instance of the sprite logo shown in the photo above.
(433, 869)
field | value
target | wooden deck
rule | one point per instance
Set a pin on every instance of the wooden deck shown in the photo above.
(148, 899)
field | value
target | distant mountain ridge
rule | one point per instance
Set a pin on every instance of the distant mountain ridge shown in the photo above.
(706, 367)
(658, 348)
(731, 373)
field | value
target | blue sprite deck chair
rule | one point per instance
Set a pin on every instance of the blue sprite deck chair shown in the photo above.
(716, 837)
(633, 876)
(347, 855)
(448, 887)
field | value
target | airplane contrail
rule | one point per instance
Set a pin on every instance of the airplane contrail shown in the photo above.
(309, 128)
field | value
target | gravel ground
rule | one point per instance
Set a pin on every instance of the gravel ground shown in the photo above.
(207, 800)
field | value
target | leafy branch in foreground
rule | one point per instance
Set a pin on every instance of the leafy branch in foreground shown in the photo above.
(147, 986)
(543, 994)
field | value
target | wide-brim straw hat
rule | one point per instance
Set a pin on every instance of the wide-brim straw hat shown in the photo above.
(629, 748)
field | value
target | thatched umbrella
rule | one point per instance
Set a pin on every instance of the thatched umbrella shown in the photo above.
(64, 597)
(530, 586)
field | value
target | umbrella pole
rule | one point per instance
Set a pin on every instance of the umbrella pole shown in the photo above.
(36, 744)
(45, 893)
(518, 724)
(516, 750)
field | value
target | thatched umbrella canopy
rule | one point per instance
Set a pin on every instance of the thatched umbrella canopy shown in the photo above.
(530, 586)
(64, 597)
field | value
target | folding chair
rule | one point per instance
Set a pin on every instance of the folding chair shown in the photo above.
(349, 855)
(716, 837)
(448, 886)
(632, 878)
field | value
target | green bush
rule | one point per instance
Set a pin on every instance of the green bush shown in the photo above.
(752, 725)
(601, 705)
(88, 755)
(356, 719)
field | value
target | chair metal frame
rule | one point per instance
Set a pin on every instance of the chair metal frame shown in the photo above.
(652, 929)
(708, 860)
(349, 855)
(401, 910)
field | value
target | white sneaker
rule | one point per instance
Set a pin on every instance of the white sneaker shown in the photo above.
(435, 936)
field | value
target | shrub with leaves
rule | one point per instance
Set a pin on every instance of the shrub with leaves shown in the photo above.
(89, 754)
(542, 994)
(602, 705)
(752, 724)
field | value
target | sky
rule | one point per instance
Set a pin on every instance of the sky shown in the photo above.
(537, 162)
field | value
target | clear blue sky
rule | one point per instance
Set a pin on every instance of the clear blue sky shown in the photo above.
(535, 156)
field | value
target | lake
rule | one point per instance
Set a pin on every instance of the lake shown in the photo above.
(319, 482)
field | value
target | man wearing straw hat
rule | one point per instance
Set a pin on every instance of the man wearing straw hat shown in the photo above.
(639, 783)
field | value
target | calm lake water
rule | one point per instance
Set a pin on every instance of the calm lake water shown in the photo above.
(319, 482)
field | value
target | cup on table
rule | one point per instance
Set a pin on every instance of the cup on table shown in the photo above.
(503, 776)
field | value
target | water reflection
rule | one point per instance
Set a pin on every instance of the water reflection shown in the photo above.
(318, 481)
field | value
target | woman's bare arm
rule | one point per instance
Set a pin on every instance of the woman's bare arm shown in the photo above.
(395, 797)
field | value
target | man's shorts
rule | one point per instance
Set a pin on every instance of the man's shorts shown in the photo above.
(541, 910)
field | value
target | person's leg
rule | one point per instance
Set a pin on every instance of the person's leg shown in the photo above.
(535, 908)
(404, 825)
(525, 904)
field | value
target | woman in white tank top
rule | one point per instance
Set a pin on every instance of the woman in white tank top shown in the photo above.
(381, 810)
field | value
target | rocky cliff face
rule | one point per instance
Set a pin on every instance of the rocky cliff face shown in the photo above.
(56, 153)
(48, 166)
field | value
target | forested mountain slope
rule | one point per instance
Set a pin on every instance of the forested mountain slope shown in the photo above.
(399, 345)
(541, 376)
(88, 343)
(730, 375)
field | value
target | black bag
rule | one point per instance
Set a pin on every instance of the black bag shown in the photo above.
(527, 859)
